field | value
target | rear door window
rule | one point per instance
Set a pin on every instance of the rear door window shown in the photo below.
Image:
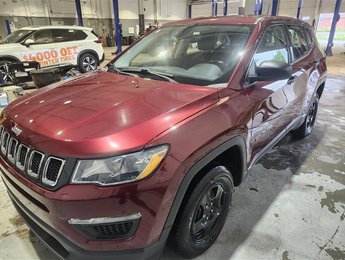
(299, 43)
(67, 35)
(42, 36)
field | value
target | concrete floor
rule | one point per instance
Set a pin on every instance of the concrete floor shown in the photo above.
(292, 205)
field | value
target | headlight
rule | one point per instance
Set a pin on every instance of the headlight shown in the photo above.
(120, 169)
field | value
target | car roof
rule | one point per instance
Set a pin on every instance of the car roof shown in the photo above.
(57, 27)
(235, 19)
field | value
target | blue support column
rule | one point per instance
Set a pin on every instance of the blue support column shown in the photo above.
(275, 4)
(8, 27)
(300, 3)
(225, 10)
(80, 16)
(214, 7)
(336, 18)
(117, 26)
(189, 11)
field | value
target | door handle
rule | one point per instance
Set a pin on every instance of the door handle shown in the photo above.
(291, 80)
(316, 63)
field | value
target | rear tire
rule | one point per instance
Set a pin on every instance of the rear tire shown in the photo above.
(306, 128)
(204, 214)
(87, 62)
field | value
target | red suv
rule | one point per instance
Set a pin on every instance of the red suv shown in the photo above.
(115, 162)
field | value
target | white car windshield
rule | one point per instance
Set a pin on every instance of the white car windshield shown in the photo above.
(200, 55)
(15, 37)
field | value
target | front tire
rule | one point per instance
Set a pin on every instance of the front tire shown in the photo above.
(87, 62)
(7, 78)
(305, 129)
(204, 214)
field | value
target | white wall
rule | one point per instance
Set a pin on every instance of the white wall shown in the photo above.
(167, 9)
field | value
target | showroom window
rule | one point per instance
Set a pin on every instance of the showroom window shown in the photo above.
(272, 46)
(66, 35)
(299, 44)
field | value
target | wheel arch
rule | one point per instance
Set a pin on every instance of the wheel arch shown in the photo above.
(320, 89)
(9, 57)
(235, 146)
(88, 51)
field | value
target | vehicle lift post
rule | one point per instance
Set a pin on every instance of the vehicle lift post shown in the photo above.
(8, 27)
(214, 7)
(117, 26)
(275, 4)
(225, 10)
(300, 3)
(80, 16)
(258, 7)
(336, 18)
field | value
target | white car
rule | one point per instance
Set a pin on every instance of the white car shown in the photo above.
(54, 46)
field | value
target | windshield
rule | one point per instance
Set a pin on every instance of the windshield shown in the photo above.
(200, 55)
(15, 37)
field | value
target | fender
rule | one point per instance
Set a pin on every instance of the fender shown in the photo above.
(9, 57)
(195, 169)
(88, 51)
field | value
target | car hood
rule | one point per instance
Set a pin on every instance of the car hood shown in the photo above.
(103, 113)
(4, 46)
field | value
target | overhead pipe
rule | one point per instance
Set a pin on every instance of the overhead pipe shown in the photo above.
(336, 18)
(79, 13)
(117, 26)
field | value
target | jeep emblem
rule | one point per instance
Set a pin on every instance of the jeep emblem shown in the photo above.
(15, 129)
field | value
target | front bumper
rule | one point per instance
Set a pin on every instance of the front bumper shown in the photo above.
(64, 249)
(48, 213)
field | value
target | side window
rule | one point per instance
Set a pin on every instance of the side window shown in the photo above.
(309, 38)
(272, 46)
(66, 35)
(299, 44)
(42, 36)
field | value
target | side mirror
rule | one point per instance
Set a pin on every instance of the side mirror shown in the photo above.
(28, 42)
(272, 70)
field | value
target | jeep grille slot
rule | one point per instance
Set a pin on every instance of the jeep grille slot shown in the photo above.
(35, 163)
(5, 136)
(52, 170)
(22, 156)
(13, 143)
(1, 130)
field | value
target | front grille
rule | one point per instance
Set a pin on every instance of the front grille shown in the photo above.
(45, 169)
(5, 136)
(35, 163)
(119, 230)
(52, 170)
(12, 150)
(22, 156)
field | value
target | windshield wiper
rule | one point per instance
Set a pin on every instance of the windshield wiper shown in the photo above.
(117, 70)
(164, 76)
